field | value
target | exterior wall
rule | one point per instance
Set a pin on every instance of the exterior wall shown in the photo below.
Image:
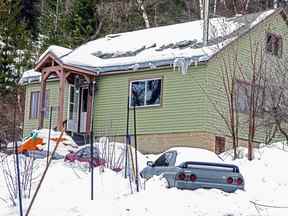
(183, 107)
(157, 143)
(242, 49)
(53, 92)
(187, 114)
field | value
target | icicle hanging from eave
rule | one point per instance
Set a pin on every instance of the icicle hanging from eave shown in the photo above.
(182, 64)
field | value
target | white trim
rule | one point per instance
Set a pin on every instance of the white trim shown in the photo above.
(145, 92)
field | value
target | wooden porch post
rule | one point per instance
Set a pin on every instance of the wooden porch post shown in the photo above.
(41, 109)
(90, 106)
(61, 98)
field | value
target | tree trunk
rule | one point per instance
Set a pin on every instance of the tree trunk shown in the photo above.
(201, 9)
(215, 8)
(144, 13)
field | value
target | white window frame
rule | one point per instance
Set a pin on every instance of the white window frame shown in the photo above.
(145, 92)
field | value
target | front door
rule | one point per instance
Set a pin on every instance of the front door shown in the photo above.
(77, 110)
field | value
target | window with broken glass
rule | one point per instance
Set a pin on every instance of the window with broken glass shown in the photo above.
(145, 93)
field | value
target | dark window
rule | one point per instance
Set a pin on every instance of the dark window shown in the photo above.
(85, 100)
(145, 92)
(219, 144)
(274, 44)
(164, 160)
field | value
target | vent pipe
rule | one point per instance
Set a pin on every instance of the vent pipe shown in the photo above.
(205, 22)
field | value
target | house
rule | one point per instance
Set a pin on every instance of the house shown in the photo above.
(172, 72)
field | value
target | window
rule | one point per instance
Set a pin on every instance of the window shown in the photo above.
(165, 159)
(274, 44)
(243, 91)
(34, 105)
(71, 102)
(145, 92)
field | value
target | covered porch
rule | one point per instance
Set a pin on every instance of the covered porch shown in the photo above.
(75, 85)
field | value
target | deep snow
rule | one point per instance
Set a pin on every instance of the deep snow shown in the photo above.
(65, 191)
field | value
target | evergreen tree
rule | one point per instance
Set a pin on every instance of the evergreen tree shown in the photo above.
(81, 22)
(29, 13)
(14, 46)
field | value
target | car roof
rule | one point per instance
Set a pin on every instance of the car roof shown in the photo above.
(194, 154)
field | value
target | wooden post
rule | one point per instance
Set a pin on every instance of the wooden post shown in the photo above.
(61, 98)
(90, 106)
(41, 108)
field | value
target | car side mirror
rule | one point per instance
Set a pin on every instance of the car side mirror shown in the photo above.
(150, 163)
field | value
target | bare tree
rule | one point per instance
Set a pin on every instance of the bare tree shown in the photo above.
(276, 94)
(8, 167)
(142, 8)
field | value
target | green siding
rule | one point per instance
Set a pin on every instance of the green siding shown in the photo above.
(181, 109)
(216, 124)
(186, 99)
(53, 91)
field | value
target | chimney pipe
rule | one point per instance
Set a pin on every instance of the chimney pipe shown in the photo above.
(205, 22)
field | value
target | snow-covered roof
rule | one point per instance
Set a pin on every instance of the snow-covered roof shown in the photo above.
(166, 45)
(58, 51)
(30, 76)
(179, 45)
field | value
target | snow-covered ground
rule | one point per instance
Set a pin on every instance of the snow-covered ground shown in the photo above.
(66, 191)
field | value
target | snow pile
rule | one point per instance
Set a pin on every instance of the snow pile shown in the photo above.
(64, 146)
(66, 191)
(114, 152)
(265, 179)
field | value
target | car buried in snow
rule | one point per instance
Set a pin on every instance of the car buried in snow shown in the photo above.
(193, 168)
(84, 155)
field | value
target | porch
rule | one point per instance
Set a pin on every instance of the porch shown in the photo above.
(77, 85)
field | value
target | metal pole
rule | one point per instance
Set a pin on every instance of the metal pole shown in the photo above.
(136, 148)
(49, 134)
(91, 164)
(44, 173)
(17, 163)
(127, 139)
